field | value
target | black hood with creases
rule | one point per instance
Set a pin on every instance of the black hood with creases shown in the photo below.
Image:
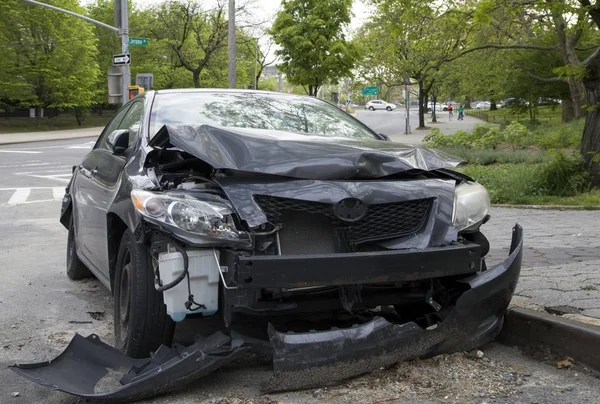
(300, 156)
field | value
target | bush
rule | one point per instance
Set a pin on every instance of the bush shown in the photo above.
(563, 175)
(563, 136)
(487, 157)
(506, 183)
(514, 136)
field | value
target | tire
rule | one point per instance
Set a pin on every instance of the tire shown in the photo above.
(141, 321)
(371, 109)
(76, 270)
(389, 109)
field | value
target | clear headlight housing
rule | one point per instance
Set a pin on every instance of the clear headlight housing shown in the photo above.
(209, 220)
(471, 206)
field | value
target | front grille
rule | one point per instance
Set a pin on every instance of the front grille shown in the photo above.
(382, 221)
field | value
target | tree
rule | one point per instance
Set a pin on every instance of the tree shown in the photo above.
(313, 46)
(48, 58)
(413, 40)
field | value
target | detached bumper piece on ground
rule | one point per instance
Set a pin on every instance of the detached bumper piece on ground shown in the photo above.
(92, 369)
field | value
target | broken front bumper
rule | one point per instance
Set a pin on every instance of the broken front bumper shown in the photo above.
(321, 358)
(90, 368)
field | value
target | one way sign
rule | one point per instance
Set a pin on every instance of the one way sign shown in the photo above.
(123, 59)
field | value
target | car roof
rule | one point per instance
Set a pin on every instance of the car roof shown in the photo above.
(223, 90)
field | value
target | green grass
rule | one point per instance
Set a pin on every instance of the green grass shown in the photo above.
(20, 125)
(532, 184)
(486, 157)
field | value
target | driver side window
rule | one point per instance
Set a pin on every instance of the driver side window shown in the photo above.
(132, 121)
(112, 126)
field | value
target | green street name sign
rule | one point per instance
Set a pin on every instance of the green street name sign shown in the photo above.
(138, 41)
(371, 90)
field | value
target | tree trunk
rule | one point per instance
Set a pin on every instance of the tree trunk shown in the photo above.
(577, 91)
(196, 78)
(567, 110)
(422, 105)
(493, 106)
(590, 142)
(467, 103)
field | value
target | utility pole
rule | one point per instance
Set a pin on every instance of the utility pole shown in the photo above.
(255, 62)
(123, 31)
(231, 44)
(407, 101)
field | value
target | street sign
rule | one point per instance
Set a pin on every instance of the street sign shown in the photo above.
(123, 59)
(138, 41)
(371, 90)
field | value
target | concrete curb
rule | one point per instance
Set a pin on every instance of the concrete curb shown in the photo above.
(547, 207)
(529, 328)
(50, 139)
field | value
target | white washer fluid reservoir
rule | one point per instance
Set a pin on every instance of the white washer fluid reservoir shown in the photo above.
(204, 276)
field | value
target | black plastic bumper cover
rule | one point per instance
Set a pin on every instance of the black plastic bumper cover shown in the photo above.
(322, 358)
(92, 369)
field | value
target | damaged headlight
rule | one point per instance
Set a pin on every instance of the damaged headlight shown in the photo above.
(206, 219)
(471, 206)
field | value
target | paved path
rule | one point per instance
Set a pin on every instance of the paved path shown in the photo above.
(561, 261)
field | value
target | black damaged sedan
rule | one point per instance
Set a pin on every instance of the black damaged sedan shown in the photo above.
(352, 251)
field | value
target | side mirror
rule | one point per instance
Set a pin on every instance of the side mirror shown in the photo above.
(118, 141)
(384, 137)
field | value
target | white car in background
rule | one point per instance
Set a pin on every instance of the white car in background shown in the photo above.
(379, 104)
(483, 105)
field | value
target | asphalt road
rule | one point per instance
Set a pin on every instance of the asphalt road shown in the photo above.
(41, 310)
(386, 122)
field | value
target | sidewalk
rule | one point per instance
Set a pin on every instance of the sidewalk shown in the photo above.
(27, 137)
(561, 258)
(443, 124)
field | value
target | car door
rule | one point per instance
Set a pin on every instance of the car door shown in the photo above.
(101, 171)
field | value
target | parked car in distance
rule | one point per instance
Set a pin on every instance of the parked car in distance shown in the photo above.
(483, 105)
(439, 107)
(380, 104)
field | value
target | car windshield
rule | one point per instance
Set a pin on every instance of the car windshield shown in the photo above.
(298, 114)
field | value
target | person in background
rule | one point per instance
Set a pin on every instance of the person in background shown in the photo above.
(450, 111)
(461, 113)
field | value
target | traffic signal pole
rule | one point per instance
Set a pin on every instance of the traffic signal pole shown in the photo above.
(123, 31)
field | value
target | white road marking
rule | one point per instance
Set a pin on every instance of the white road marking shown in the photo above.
(20, 151)
(39, 172)
(56, 177)
(58, 193)
(87, 145)
(19, 196)
(25, 165)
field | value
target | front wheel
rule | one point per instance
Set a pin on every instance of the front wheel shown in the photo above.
(371, 109)
(141, 321)
(389, 109)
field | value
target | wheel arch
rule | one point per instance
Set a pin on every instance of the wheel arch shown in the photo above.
(115, 227)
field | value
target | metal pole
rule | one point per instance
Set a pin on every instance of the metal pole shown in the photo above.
(37, 3)
(231, 44)
(407, 100)
(255, 62)
(280, 82)
(126, 82)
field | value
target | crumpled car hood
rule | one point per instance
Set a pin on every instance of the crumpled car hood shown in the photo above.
(300, 156)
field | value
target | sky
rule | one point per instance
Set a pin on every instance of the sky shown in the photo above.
(268, 8)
